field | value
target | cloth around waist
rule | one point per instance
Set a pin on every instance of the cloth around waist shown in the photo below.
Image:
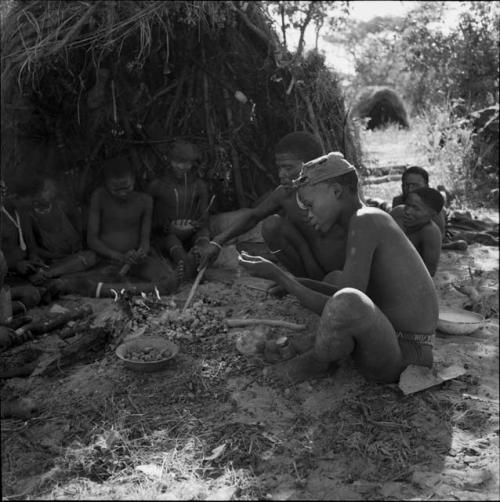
(423, 339)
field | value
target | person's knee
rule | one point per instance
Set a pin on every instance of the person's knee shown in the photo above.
(28, 295)
(348, 306)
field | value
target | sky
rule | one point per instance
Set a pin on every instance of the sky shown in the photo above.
(335, 56)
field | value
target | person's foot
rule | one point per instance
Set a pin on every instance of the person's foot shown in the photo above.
(459, 245)
(300, 368)
(302, 342)
(277, 350)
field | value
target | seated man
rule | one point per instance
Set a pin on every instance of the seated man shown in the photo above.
(305, 251)
(181, 209)
(54, 235)
(118, 232)
(415, 219)
(417, 177)
(382, 308)
(19, 264)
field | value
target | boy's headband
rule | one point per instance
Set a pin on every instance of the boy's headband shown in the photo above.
(323, 168)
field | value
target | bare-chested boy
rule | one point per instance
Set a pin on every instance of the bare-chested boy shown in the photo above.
(382, 308)
(54, 235)
(417, 177)
(13, 236)
(119, 232)
(416, 220)
(303, 250)
(180, 219)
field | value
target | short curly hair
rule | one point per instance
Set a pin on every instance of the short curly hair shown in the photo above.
(301, 144)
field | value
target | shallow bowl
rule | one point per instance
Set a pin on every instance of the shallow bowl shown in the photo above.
(453, 321)
(141, 343)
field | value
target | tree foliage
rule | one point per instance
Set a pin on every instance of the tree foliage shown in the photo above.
(426, 63)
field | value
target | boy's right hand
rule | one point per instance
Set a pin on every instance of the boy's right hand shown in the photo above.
(208, 254)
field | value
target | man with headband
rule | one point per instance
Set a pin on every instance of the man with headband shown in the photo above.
(381, 309)
(416, 221)
(302, 250)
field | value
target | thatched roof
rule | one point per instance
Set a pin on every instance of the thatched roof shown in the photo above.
(84, 81)
(382, 106)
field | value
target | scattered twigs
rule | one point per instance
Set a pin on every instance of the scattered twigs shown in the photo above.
(236, 323)
(194, 287)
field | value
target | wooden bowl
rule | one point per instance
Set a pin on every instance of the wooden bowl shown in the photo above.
(453, 321)
(141, 343)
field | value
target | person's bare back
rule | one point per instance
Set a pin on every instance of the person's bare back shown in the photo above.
(398, 280)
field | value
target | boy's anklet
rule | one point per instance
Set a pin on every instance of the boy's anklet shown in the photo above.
(98, 290)
(215, 244)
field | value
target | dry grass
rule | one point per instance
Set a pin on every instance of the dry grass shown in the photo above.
(449, 163)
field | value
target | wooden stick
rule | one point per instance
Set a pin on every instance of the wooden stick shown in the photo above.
(236, 323)
(194, 287)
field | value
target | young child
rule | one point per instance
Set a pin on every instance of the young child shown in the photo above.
(417, 177)
(381, 309)
(416, 220)
(19, 264)
(54, 235)
(181, 209)
(119, 233)
(304, 251)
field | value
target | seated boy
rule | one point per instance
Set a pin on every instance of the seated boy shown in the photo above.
(417, 177)
(54, 235)
(416, 220)
(305, 251)
(19, 264)
(382, 308)
(181, 209)
(118, 232)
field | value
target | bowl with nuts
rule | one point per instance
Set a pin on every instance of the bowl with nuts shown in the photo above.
(147, 354)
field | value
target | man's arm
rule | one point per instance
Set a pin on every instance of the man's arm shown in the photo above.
(431, 247)
(146, 222)
(93, 230)
(248, 218)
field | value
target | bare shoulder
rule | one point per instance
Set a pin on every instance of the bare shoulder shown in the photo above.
(431, 231)
(370, 219)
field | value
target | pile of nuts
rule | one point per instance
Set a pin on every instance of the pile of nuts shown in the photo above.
(147, 354)
(195, 322)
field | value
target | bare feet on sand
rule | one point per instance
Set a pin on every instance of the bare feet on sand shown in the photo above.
(300, 368)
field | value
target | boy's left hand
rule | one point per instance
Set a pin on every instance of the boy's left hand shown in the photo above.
(258, 266)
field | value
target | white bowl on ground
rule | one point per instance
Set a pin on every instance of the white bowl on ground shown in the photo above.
(454, 321)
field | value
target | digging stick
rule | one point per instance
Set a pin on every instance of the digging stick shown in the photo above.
(236, 323)
(194, 287)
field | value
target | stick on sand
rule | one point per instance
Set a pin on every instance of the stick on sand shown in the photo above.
(194, 287)
(236, 323)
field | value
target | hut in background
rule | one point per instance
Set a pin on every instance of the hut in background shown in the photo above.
(381, 106)
(86, 81)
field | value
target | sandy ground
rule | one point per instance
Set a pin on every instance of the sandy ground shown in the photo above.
(211, 427)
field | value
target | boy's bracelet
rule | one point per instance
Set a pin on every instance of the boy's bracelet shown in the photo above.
(215, 244)
(202, 238)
